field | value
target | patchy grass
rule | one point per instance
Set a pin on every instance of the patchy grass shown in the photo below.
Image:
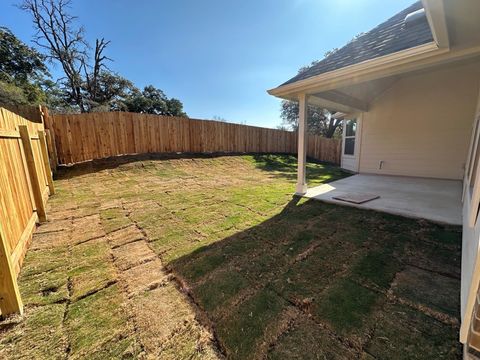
(243, 330)
(404, 333)
(346, 307)
(39, 336)
(95, 321)
(207, 257)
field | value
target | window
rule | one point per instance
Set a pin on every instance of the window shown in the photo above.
(350, 131)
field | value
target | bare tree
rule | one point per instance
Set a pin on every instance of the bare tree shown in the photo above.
(65, 43)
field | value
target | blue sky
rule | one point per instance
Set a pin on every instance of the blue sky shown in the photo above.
(217, 56)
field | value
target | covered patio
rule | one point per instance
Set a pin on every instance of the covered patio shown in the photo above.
(403, 131)
(406, 92)
(431, 199)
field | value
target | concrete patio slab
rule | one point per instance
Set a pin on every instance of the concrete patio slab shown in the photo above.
(431, 199)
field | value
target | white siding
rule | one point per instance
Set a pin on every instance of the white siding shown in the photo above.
(421, 125)
(470, 274)
(349, 163)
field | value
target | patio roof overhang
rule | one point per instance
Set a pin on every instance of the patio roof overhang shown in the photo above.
(353, 88)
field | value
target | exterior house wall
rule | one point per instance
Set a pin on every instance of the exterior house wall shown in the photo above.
(470, 249)
(421, 125)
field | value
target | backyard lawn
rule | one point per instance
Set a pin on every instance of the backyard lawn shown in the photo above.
(212, 257)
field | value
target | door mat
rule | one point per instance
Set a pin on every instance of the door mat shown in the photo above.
(356, 198)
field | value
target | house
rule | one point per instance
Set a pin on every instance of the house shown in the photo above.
(408, 94)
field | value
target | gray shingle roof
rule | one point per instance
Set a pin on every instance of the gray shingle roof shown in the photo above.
(387, 38)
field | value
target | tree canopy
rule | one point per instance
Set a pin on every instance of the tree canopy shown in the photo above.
(22, 71)
(87, 84)
(153, 101)
(319, 120)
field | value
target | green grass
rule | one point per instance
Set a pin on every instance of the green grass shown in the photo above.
(377, 268)
(227, 285)
(276, 276)
(242, 330)
(346, 306)
(420, 336)
(286, 167)
(95, 321)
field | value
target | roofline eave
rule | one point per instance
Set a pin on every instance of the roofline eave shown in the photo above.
(360, 72)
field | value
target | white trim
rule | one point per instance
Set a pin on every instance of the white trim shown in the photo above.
(301, 188)
(472, 199)
(469, 171)
(435, 10)
(326, 104)
(415, 58)
(472, 151)
(338, 97)
(358, 137)
(469, 162)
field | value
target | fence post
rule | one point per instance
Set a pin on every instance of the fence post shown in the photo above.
(10, 300)
(46, 162)
(32, 170)
(52, 150)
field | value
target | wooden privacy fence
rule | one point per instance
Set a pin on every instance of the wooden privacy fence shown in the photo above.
(323, 149)
(82, 137)
(25, 184)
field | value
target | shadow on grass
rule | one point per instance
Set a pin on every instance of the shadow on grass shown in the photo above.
(313, 280)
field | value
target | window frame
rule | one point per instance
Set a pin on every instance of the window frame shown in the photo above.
(354, 137)
(471, 183)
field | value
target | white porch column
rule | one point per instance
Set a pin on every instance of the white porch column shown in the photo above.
(302, 144)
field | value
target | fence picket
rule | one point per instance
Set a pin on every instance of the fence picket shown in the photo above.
(81, 137)
(24, 169)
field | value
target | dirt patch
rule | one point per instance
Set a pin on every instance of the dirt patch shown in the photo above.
(124, 236)
(153, 324)
(49, 240)
(54, 226)
(87, 228)
(145, 277)
(132, 254)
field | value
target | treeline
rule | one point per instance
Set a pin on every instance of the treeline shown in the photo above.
(87, 83)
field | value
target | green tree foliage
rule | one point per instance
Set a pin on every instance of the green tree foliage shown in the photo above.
(153, 101)
(110, 92)
(319, 121)
(22, 71)
(88, 84)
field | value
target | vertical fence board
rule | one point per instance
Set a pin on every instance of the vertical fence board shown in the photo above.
(36, 180)
(83, 137)
(23, 169)
(46, 165)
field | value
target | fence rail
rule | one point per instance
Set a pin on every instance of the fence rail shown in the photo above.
(82, 137)
(25, 184)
